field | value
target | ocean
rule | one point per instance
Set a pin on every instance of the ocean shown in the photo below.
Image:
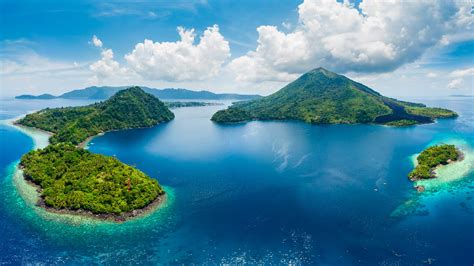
(259, 193)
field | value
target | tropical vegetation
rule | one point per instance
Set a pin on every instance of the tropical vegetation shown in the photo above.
(129, 108)
(324, 97)
(432, 157)
(75, 179)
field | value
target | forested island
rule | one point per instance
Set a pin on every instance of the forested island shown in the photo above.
(433, 157)
(129, 108)
(73, 180)
(324, 97)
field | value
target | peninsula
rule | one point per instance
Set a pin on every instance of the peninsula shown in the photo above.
(323, 97)
(73, 180)
(129, 108)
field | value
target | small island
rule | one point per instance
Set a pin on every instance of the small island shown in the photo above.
(73, 180)
(431, 158)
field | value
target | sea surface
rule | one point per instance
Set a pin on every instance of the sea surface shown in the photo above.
(260, 193)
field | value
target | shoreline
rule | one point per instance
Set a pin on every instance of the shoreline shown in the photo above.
(447, 173)
(460, 158)
(41, 140)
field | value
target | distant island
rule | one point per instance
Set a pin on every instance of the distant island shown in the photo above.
(180, 104)
(44, 96)
(103, 93)
(461, 95)
(129, 108)
(73, 180)
(433, 157)
(324, 97)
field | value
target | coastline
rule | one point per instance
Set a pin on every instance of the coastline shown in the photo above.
(30, 192)
(439, 166)
(450, 172)
(85, 143)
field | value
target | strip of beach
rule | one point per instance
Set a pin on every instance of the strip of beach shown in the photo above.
(30, 192)
(451, 172)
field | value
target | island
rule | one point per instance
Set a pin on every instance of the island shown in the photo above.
(74, 180)
(431, 158)
(105, 92)
(45, 96)
(324, 97)
(180, 104)
(129, 108)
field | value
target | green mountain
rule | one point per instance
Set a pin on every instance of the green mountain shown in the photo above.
(103, 93)
(129, 108)
(324, 97)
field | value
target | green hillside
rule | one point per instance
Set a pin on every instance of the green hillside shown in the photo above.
(431, 158)
(129, 108)
(75, 179)
(324, 97)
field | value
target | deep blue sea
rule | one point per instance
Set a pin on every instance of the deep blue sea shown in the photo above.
(261, 193)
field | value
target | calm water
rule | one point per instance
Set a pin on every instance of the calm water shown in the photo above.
(261, 192)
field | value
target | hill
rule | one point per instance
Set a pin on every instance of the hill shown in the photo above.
(129, 108)
(324, 97)
(74, 179)
(45, 96)
(103, 93)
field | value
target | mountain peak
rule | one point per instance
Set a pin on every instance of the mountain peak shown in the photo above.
(321, 70)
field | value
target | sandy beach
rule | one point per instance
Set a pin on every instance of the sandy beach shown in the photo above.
(31, 192)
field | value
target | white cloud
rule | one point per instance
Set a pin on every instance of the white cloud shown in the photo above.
(25, 71)
(456, 84)
(383, 36)
(106, 67)
(286, 25)
(431, 75)
(461, 73)
(96, 41)
(181, 60)
(461, 77)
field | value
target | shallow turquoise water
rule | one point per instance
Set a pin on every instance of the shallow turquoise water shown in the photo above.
(261, 192)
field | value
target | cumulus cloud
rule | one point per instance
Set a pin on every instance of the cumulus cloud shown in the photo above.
(96, 41)
(380, 37)
(181, 60)
(461, 73)
(459, 78)
(456, 84)
(106, 66)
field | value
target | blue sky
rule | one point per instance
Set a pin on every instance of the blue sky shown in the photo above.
(64, 28)
(400, 49)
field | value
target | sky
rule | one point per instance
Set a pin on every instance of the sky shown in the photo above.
(399, 48)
